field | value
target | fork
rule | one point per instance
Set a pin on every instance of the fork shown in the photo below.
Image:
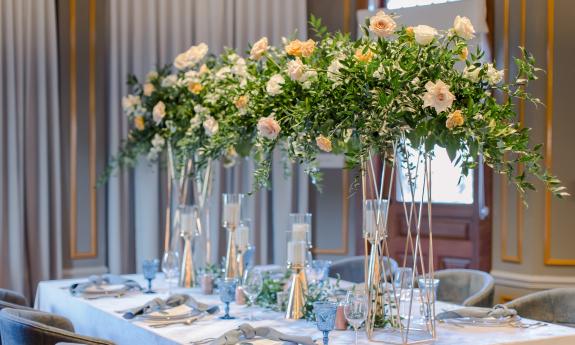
(203, 341)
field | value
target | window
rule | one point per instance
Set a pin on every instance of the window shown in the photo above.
(447, 187)
(394, 4)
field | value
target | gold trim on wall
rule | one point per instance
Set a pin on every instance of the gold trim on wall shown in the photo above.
(518, 258)
(344, 249)
(74, 252)
(346, 15)
(547, 258)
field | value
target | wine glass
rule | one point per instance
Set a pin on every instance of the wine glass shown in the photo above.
(170, 267)
(355, 309)
(227, 294)
(325, 313)
(150, 267)
(252, 286)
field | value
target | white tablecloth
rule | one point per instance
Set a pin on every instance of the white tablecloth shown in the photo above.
(99, 318)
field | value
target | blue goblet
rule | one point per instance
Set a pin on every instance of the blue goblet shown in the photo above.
(150, 268)
(325, 313)
(227, 294)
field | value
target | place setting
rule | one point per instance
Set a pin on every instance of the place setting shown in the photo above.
(105, 286)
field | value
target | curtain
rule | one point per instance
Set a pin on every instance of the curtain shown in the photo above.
(30, 151)
(147, 33)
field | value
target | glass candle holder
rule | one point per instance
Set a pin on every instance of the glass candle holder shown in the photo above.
(243, 235)
(227, 288)
(375, 219)
(325, 313)
(232, 210)
(296, 252)
(189, 220)
(300, 227)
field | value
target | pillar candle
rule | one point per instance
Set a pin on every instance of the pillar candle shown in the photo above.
(232, 213)
(187, 223)
(242, 237)
(297, 251)
(299, 231)
(369, 226)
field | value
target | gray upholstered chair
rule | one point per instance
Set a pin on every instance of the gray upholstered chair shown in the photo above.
(465, 287)
(353, 269)
(31, 327)
(12, 299)
(554, 306)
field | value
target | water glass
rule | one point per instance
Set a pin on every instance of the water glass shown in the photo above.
(227, 288)
(252, 284)
(149, 268)
(355, 309)
(170, 267)
(325, 313)
(428, 290)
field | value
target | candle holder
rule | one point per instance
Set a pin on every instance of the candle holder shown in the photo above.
(230, 219)
(189, 224)
(297, 293)
(244, 249)
(300, 225)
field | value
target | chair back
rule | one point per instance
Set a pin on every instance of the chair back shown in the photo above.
(465, 287)
(353, 269)
(553, 306)
(30, 327)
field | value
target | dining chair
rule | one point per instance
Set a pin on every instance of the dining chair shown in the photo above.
(12, 299)
(553, 306)
(465, 287)
(353, 269)
(32, 327)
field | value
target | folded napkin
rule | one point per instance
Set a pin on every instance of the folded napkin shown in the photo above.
(498, 311)
(106, 279)
(245, 331)
(173, 301)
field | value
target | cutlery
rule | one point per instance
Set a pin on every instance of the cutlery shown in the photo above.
(185, 322)
(115, 295)
(202, 342)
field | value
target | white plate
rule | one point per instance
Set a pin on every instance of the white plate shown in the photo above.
(179, 312)
(104, 288)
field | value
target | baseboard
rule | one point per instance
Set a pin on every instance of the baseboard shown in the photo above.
(530, 281)
(83, 271)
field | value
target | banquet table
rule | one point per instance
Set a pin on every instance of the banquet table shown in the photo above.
(100, 318)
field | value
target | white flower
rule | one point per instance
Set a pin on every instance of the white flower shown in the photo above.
(379, 72)
(201, 110)
(239, 68)
(307, 78)
(191, 56)
(151, 75)
(191, 76)
(382, 24)
(424, 34)
(472, 73)
(259, 48)
(437, 96)
(158, 142)
(295, 69)
(170, 80)
(195, 122)
(463, 27)
(268, 127)
(210, 126)
(274, 85)
(333, 70)
(130, 102)
(159, 112)
(223, 72)
(494, 76)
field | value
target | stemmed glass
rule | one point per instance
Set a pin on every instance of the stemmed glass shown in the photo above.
(150, 267)
(355, 309)
(252, 286)
(170, 267)
(227, 294)
(325, 313)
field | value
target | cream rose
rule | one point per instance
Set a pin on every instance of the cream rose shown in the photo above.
(210, 126)
(195, 122)
(333, 70)
(130, 101)
(274, 85)
(151, 75)
(242, 101)
(148, 89)
(382, 24)
(191, 56)
(323, 143)
(363, 57)
(295, 69)
(472, 73)
(424, 34)
(268, 127)
(139, 123)
(259, 48)
(159, 112)
(463, 27)
(170, 80)
(203, 69)
(438, 96)
(307, 48)
(195, 88)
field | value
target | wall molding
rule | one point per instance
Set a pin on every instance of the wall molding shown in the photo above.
(84, 271)
(531, 281)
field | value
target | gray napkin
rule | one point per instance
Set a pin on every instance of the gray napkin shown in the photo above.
(245, 331)
(111, 279)
(160, 304)
(497, 311)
